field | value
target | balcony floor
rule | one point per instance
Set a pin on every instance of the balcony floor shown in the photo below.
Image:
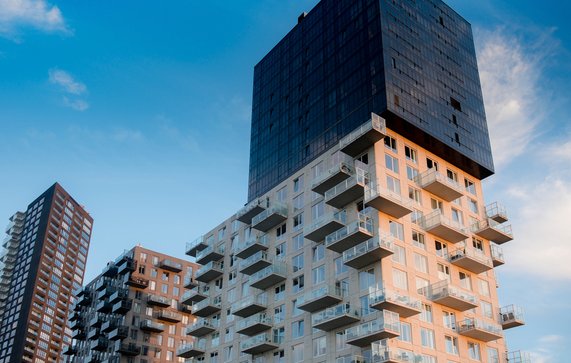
(337, 322)
(372, 256)
(442, 190)
(320, 303)
(260, 348)
(254, 329)
(493, 234)
(268, 281)
(350, 241)
(209, 275)
(403, 310)
(447, 233)
(480, 334)
(322, 231)
(470, 263)
(454, 302)
(389, 206)
(366, 340)
(347, 196)
(331, 181)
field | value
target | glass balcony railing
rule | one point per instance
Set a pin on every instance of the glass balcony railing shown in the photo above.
(443, 227)
(497, 212)
(386, 325)
(260, 300)
(383, 298)
(382, 241)
(269, 276)
(448, 295)
(264, 341)
(497, 255)
(251, 245)
(339, 311)
(439, 185)
(364, 136)
(479, 329)
(354, 233)
(471, 259)
(387, 201)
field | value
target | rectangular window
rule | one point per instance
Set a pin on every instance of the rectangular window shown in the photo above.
(298, 184)
(318, 252)
(391, 144)
(418, 240)
(474, 351)
(473, 205)
(441, 249)
(400, 279)
(470, 186)
(427, 338)
(298, 202)
(393, 185)
(465, 281)
(297, 353)
(405, 332)
(298, 284)
(443, 272)
(415, 195)
(410, 154)
(399, 256)
(451, 345)
(411, 172)
(431, 164)
(366, 279)
(397, 230)
(297, 329)
(297, 262)
(298, 222)
(318, 275)
(452, 175)
(281, 230)
(392, 163)
(317, 210)
(449, 320)
(420, 263)
(426, 313)
(319, 346)
(340, 267)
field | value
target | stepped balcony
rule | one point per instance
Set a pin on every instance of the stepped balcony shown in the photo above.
(269, 276)
(385, 326)
(364, 137)
(440, 185)
(258, 344)
(370, 251)
(471, 259)
(443, 227)
(252, 245)
(276, 213)
(497, 212)
(325, 225)
(349, 190)
(255, 263)
(335, 317)
(195, 295)
(170, 265)
(320, 297)
(384, 299)
(250, 305)
(383, 351)
(480, 330)
(211, 253)
(444, 293)
(203, 327)
(351, 235)
(342, 167)
(207, 307)
(254, 324)
(497, 255)
(191, 350)
(209, 272)
(493, 231)
(251, 210)
(161, 301)
(152, 326)
(511, 316)
(193, 247)
(387, 201)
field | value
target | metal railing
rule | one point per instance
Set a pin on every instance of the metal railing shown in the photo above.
(383, 240)
(375, 123)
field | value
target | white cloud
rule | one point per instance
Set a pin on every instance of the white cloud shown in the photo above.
(38, 14)
(511, 71)
(76, 104)
(71, 87)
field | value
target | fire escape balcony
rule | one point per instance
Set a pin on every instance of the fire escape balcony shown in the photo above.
(370, 251)
(251, 210)
(471, 259)
(202, 327)
(497, 212)
(152, 326)
(444, 293)
(277, 213)
(320, 297)
(170, 265)
(384, 299)
(497, 255)
(169, 316)
(195, 295)
(347, 191)
(259, 344)
(207, 307)
(511, 316)
(335, 317)
(325, 225)
(161, 301)
(252, 245)
(385, 326)
(255, 263)
(441, 186)
(250, 305)
(351, 235)
(364, 137)
(387, 201)
(193, 247)
(254, 324)
(191, 350)
(211, 253)
(210, 271)
(339, 171)
(480, 330)
(443, 227)
(269, 276)
(493, 231)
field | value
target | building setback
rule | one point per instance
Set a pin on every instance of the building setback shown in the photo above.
(46, 249)
(367, 237)
(131, 311)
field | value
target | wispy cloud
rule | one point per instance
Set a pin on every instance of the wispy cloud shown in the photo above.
(38, 14)
(73, 89)
(179, 137)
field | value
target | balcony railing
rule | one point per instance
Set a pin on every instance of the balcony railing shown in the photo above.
(210, 271)
(439, 185)
(252, 209)
(260, 344)
(497, 212)
(195, 295)
(252, 245)
(471, 259)
(497, 255)
(445, 294)
(170, 316)
(269, 276)
(320, 297)
(387, 201)
(364, 136)
(351, 235)
(170, 265)
(385, 326)
(381, 298)
(207, 307)
(202, 327)
(191, 350)
(493, 231)
(271, 217)
(341, 169)
(159, 301)
(518, 357)
(250, 305)
(254, 324)
(369, 251)
(211, 253)
(150, 325)
(327, 224)
(383, 352)
(512, 316)
(335, 317)
(349, 190)
(255, 263)
(444, 227)
(480, 330)
(197, 245)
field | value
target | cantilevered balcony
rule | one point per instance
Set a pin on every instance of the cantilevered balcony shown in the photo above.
(259, 344)
(254, 324)
(518, 357)
(167, 264)
(250, 305)
(335, 317)
(94, 357)
(341, 169)
(152, 326)
(161, 301)
(168, 316)
(210, 271)
(102, 283)
(497, 212)
(93, 333)
(119, 294)
(207, 307)
(255, 263)
(190, 282)
(251, 210)
(211, 253)
(99, 344)
(108, 291)
(497, 255)
(269, 276)
(125, 266)
(195, 295)
(387, 201)
(192, 248)
(493, 231)
(70, 350)
(480, 330)
(104, 306)
(387, 325)
(471, 259)
(325, 225)
(444, 293)
(202, 327)
(277, 213)
(443, 227)
(511, 316)
(85, 299)
(122, 306)
(191, 350)
(138, 282)
(439, 185)
(347, 191)
(351, 235)
(320, 297)
(252, 245)
(121, 332)
(79, 334)
(370, 251)
(352, 358)
(110, 270)
(383, 351)
(381, 298)
(364, 137)
(129, 349)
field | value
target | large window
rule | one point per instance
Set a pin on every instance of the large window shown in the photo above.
(297, 328)
(319, 346)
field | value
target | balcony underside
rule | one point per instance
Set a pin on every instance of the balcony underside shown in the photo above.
(268, 281)
(366, 340)
(347, 196)
(447, 233)
(404, 310)
(209, 257)
(362, 143)
(200, 331)
(269, 222)
(494, 234)
(254, 329)
(340, 175)
(260, 348)
(255, 267)
(480, 334)
(206, 311)
(349, 241)
(190, 353)
(196, 248)
(371, 256)
(497, 261)
(190, 284)
(319, 234)
(249, 310)
(251, 249)
(209, 275)
(247, 216)
(470, 263)
(454, 302)
(509, 321)
(320, 303)
(388, 205)
(442, 190)
(336, 322)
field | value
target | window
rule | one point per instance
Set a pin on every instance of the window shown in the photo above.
(297, 242)
(420, 263)
(418, 240)
(436, 204)
(484, 287)
(297, 353)
(470, 186)
(453, 102)
(391, 144)
(298, 202)
(396, 230)
(414, 194)
(393, 185)
(474, 351)
(298, 283)
(473, 205)
(478, 244)
(298, 221)
(392, 163)
(279, 314)
(318, 252)
(441, 249)
(487, 309)
(318, 275)
(427, 338)
(318, 210)
(443, 272)
(452, 175)
(416, 216)
(366, 279)
(493, 355)
(465, 280)
(426, 313)
(411, 172)
(282, 194)
(399, 255)
(319, 346)
(431, 164)
(410, 154)
(340, 339)
(449, 319)
(400, 279)
(451, 345)
(365, 306)
(279, 357)
(297, 329)
(279, 293)
(457, 216)
(340, 267)
(280, 250)
(298, 184)
(281, 230)
(221, 233)
(297, 262)
(405, 332)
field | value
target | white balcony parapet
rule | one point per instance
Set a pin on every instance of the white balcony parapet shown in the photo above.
(443, 227)
(471, 259)
(364, 136)
(382, 298)
(439, 185)
(383, 352)
(479, 329)
(444, 293)
(369, 251)
(387, 325)
(351, 235)
(387, 201)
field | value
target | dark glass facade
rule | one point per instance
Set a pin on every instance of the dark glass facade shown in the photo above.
(413, 62)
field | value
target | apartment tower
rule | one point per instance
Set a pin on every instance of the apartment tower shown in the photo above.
(366, 236)
(131, 311)
(44, 261)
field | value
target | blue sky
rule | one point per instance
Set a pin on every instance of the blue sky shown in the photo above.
(141, 110)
